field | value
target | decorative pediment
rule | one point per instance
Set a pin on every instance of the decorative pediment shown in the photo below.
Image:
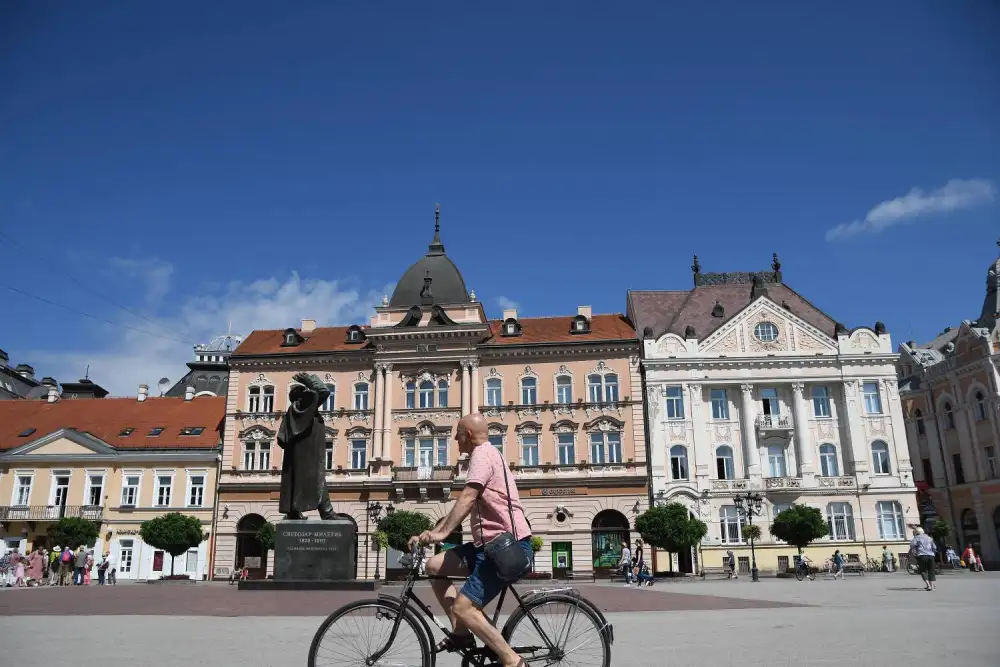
(528, 428)
(671, 345)
(527, 373)
(496, 428)
(256, 433)
(564, 426)
(440, 318)
(864, 340)
(564, 370)
(330, 432)
(600, 369)
(425, 429)
(494, 373)
(64, 442)
(763, 328)
(260, 380)
(359, 432)
(604, 423)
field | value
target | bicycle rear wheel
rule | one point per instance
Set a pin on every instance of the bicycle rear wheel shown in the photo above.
(577, 633)
(356, 631)
(799, 574)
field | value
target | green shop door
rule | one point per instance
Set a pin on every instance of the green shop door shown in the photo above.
(562, 559)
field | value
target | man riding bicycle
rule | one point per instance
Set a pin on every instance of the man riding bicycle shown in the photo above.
(490, 496)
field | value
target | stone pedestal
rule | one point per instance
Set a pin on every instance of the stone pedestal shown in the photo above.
(312, 555)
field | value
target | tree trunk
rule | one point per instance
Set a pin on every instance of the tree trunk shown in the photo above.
(172, 559)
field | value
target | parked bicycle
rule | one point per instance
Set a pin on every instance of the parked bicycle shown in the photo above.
(803, 569)
(394, 630)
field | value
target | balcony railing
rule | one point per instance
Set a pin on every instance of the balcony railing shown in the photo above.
(782, 483)
(423, 473)
(730, 484)
(836, 482)
(774, 422)
(50, 512)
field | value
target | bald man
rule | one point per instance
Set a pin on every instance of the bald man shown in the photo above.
(485, 496)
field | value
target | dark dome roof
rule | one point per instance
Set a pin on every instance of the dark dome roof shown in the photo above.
(446, 283)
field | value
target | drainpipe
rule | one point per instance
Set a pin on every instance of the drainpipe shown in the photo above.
(212, 542)
(645, 430)
(944, 461)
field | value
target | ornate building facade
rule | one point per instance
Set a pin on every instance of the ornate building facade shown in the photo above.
(752, 388)
(950, 394)
(561, 394)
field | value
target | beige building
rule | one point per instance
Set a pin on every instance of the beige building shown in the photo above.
(561, 394)
(116, 461)
(949, 388)
(751, 388)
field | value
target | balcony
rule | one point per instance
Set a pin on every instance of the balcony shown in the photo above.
(781, 483)
(730, 484)
(423, 473)
(836, 482)
(50, 512)
(774, 423)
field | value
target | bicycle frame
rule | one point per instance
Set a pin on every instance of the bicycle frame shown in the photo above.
(407, 596)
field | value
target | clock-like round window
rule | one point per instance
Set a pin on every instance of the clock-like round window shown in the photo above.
(766, 332)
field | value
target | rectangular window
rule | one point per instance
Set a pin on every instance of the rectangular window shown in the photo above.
(196, 492)
(256, 455)
(130, 490)
(873, 401)
(730, 524)
(529, 450)
(191, 562)
(956, 460)
(268, 399)
(675, 403)
(720, 404)
(821, 402)
(442, 393)
(328, 455)
(890, 520)
(840, 521)
(331, 400)
(425, 453)
(565, 447)
(60, 495)
(95, 489)
(442, 451)
(929, 471)
(724, 465)
(614, 447)
(769, 401)
(991, 461)
(164, 485)
(359, 449)
(493, 397)
(597, 449)
(22, 492)
(411, 396)
(611, 388)
(361, 396)
(497, 441)
(426, 394)
(529, 391)
(125, 551)
(564, 390)
(249, 455)
(595, 386)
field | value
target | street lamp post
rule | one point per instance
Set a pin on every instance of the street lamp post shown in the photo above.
(750, 505)
(375, 509)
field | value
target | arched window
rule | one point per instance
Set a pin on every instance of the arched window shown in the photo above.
(564, 389)
(678, 462)
(724, 465)
(443, 394)
(880, 458)
(731, 524)
(828, 461)
(949, 416)
(890, 520)
(776, 464)
(411, 395)
(840, 521)
(493, 392)
(921, 427)
(427, 394)
(360, 395)
(980, 406)
(529, 391)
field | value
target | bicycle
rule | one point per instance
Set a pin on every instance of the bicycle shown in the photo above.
(406, 627)
(802, 570)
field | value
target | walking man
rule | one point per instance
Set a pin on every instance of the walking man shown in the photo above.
(625, 564)
(922, 547)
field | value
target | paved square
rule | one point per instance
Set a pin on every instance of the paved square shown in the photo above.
(877, 620)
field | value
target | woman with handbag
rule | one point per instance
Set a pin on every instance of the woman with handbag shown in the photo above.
(499, 554)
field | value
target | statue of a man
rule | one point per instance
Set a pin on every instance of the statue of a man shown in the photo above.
(303, 439)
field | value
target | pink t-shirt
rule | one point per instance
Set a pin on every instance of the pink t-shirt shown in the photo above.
(486, 468)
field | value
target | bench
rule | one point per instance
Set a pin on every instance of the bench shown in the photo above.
(581, 576)
(719, 571)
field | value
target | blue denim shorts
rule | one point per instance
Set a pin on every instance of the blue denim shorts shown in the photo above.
(483, 583)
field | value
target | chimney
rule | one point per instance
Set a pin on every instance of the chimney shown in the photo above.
(510, 314)
(584, 310)
(188, 393)
(3, 359)
(25, 371)
(143, 392)
(308, 325)
(53, 395)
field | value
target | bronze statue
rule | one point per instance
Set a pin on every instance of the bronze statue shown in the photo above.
(303, 439)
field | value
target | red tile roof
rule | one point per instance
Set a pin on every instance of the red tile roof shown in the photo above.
(557, 330)
(105, 418)
(321, 339)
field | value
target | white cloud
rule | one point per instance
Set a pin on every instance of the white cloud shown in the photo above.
(504, 303)
(153, 272)
(956, 195)
(125, 359)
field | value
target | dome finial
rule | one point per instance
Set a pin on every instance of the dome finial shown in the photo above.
(436, 247)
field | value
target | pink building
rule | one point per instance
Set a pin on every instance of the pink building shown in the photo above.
(562, 396)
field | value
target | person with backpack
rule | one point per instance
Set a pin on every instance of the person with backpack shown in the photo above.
(66, 567)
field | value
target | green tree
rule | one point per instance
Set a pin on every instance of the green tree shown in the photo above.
(265, 535)
(401, 525)
(73, 532)
(799, 525)
(174, 533)
(536, 543)
(670, 527)
(940, 530)
(751, 532)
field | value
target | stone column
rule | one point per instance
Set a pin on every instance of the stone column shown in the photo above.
(387, 452)
(700, 463)
(474, 399)
(893, 408)
(465, 388)
(855, 430)
(379, 409)
(751, 454)
(803, 438)
(964, 424)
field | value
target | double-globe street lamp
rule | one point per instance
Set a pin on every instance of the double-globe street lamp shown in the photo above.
(750, 505)
(375, 509)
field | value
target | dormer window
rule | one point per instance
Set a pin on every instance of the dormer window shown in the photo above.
(26, 432)
(156, 430)
(291, 338)
(580, 325)
(125, 432)
(355, 334)
(192, 430)
(511, 327)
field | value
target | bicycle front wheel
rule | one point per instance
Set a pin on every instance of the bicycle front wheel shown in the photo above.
(798, 573)
(355, 633)
(568, 632)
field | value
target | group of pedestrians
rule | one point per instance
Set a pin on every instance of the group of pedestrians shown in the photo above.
(59, 567)
(634, 567)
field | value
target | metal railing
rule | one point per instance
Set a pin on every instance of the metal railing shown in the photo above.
(782, 483)
(50, 512)
(774, 421)
(415, 474)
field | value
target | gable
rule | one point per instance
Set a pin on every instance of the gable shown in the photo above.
(794, 335)
(62, 446)
(64, 442)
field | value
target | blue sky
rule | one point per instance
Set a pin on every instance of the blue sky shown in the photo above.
(160, 155)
